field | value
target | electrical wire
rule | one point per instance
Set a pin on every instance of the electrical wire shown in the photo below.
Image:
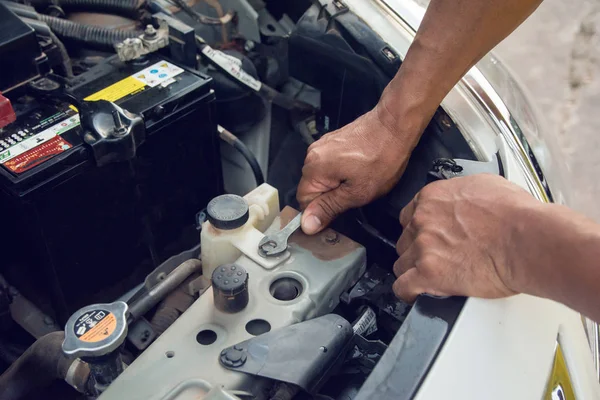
(204, 19)
(222, 62)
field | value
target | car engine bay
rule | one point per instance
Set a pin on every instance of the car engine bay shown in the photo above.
(146, 149)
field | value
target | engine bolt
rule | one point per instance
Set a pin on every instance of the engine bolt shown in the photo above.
(150, 32)
(249, 45)
(233, 357)
(332, 238)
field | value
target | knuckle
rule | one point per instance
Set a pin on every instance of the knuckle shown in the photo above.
(397, 268)
(402, 216)
(312, 156)
(420, 218)
(431, 190)
(404, 289)
(429, 266)
(397, 288)
(400, 246)
(422, 243)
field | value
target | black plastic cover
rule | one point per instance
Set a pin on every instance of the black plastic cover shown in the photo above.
(302, 354)
(19, 50)
(335, 51)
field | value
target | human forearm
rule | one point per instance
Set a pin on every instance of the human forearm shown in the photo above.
(363, 160)
(557, 256)
(453, 36)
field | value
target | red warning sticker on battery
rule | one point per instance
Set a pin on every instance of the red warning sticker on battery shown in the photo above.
(37, 155)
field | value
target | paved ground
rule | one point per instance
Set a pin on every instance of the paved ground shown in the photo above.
(556, 55)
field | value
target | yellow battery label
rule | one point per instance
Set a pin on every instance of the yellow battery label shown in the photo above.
(162, 73)
(116, 91)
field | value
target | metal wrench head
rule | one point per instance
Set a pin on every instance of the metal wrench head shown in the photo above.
(271, 246)
(277, 243)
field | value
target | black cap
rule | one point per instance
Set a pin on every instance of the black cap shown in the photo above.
(227, 212)
(230, 288)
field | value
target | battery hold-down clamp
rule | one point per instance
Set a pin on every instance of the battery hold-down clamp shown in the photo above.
(113, 134)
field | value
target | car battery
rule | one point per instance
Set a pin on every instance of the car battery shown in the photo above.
(76, 233)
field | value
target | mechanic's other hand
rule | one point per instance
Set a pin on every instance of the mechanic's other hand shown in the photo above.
(349, 168)
(457, 238)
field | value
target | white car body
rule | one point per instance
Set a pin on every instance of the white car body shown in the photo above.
(497, 349)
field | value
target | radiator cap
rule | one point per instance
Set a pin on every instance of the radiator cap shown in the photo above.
(96, 330)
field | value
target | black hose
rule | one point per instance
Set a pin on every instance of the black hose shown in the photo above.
(9, 353)
(41, 364)
(285, 391)
(128, 8)
(237, 144)
(170, 309)
(153, 296)
(96, 36)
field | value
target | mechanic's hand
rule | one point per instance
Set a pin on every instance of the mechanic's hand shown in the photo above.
(349, 168)
(458, 238)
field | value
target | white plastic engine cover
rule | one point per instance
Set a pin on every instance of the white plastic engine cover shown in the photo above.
(326, 265)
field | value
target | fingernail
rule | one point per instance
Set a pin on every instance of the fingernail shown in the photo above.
(311, 225)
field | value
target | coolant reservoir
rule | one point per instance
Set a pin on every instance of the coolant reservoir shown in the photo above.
(235, 224)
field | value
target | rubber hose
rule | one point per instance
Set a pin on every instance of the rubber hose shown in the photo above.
(252, 161)
(92, 35)
(163, 319)
(157, 293)
(9, 353)
(128, 8)
(237, 144)
(171, 308)
(41, 364)
(285, 392)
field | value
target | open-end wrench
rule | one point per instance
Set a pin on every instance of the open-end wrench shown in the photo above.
(277, 243)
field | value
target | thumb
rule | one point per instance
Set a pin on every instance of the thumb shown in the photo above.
(323, 210)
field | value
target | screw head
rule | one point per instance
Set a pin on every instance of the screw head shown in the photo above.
(332, 238)
(249, 45)
(446, 121)
(150, 31)
(233, 357)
